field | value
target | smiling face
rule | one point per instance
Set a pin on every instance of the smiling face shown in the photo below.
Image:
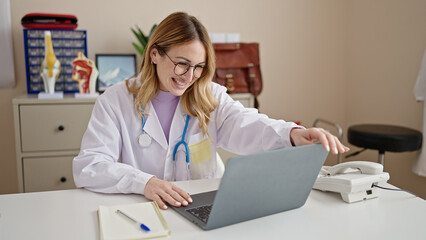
(192, 53)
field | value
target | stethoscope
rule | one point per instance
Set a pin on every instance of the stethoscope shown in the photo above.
(145, 141)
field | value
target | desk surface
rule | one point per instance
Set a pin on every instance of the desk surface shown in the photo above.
(72, 214)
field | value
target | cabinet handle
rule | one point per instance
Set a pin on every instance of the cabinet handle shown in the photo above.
(63, 179)
(61, 128)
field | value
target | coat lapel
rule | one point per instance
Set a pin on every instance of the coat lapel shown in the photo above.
(153, 126)
(178, 125)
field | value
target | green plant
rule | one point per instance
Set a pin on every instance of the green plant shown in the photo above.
(142, 38)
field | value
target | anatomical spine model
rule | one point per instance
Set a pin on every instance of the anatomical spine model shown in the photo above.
(50, 67)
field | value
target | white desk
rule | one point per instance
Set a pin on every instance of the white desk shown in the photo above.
(71, 214)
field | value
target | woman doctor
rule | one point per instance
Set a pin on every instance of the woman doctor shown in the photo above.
(165, 124)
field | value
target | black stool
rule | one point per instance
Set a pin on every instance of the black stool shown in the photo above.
(384, 138)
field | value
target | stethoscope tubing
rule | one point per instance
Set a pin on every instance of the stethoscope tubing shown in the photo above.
(181, 142)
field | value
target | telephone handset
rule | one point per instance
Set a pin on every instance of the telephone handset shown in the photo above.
(353, 180)
(362, 166)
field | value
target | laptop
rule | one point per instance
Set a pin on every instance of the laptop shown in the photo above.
(258, 185)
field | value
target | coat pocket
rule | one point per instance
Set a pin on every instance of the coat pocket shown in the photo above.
(203, 163)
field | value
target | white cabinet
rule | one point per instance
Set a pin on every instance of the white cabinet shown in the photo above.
(246, 99)
(48, 135)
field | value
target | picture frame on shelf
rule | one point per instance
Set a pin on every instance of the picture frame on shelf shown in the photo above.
(114, 68)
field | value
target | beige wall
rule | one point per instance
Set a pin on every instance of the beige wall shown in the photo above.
(347, 61)
(386, 42)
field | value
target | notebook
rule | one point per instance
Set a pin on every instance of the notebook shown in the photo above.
(258, 185)
(115, 226)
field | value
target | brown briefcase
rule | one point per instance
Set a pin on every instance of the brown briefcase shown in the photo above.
(238, 67)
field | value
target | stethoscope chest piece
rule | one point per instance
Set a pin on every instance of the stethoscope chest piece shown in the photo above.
(144, 140)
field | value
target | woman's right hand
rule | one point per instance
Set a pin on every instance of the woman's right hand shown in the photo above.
(162, 191)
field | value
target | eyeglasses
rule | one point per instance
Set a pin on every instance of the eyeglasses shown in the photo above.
(183, 67)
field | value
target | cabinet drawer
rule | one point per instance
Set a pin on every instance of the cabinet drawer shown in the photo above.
(47, 173)
(246, 99)
(53, 127)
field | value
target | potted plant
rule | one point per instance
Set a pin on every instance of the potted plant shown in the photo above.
(142, 39)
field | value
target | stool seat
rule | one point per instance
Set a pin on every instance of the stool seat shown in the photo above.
(385, 137)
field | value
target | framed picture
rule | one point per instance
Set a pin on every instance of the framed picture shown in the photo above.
(114, 68)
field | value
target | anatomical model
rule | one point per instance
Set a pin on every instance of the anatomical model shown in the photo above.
(85, 72)
(50, 67)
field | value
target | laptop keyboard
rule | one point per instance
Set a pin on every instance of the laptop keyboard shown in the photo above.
(202, 212)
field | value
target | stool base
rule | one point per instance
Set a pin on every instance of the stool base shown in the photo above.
(381, 159)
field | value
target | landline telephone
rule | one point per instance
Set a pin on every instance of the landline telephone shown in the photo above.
(353, 180)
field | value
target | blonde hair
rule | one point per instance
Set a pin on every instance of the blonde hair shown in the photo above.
(176, 29)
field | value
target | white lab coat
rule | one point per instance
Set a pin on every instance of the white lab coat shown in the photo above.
(112, 161)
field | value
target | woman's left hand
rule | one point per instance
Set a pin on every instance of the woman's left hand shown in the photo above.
(307, 136)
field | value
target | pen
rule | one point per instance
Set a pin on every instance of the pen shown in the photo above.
(141, 225)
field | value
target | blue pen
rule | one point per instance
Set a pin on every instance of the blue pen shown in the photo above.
(141, 225)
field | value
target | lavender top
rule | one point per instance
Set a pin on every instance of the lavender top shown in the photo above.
(165, 105)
